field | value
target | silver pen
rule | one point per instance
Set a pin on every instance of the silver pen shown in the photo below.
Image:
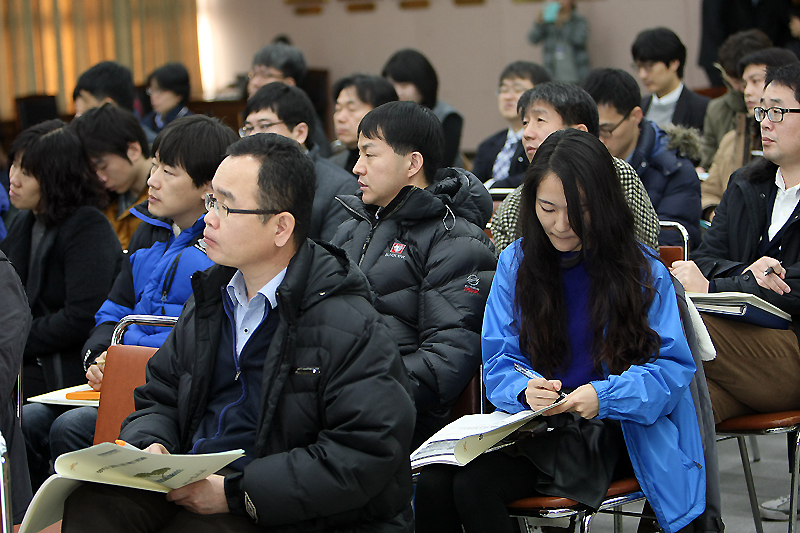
(530, 375)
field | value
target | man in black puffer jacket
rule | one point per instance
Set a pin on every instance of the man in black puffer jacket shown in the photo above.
(418, 236)
(285, 358)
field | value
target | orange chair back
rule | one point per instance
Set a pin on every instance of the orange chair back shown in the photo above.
(124, 371)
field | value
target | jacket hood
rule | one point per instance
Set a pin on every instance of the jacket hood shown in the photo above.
(317, 271)
(657, 147)
(455, 192)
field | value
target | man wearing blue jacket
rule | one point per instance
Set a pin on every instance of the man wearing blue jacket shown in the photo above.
(155, 280)
(668, 176)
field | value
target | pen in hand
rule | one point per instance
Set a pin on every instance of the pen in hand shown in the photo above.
(530, 375)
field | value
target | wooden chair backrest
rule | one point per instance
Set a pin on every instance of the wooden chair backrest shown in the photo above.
(124, 371)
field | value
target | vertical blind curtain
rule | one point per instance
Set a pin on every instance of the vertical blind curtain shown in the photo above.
(46, 44)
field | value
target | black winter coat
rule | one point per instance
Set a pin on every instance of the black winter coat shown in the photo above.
(332, 447)
(78, 261)
(15, 321)
(731, 243)
(430, 267)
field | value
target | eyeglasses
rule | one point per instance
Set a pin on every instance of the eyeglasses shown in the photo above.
(646, 65)
(154, 90)
(261, 127)
(607, 132)
(774, 114)
(219, 207)
(516, 88)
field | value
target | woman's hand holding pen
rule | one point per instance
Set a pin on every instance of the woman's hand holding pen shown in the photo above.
(95, 373)
(542, 392)
(582, 400)
(769, 273)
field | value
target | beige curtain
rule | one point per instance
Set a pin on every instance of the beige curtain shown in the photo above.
(46, 44)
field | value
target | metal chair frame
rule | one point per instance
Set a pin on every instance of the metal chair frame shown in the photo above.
(677, 226)
(741, 438)
(140, 320)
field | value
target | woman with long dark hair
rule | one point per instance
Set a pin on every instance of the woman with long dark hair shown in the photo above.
(63, 247)
(588, 311)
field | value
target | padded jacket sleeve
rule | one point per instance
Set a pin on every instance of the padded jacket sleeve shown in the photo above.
(450, 313)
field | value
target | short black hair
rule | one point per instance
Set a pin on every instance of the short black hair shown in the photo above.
(410, 66)
(197, 144)
(52, 153)
(659, 45)
(109, 129)
(291, 105)
(286, 177)
(525, 70)
(614, 87)
(284, 57)
(372, 90)
(787, 75)
(107, 79)
(407, 127)
(573, 104)
(173, 77)
(769, 57)
(738, 45)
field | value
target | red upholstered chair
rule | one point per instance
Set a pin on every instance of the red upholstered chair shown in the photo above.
(741, 427)
(670, 254)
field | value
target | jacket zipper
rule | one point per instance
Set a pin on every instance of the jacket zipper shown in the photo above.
(170, 278)
(373, 227)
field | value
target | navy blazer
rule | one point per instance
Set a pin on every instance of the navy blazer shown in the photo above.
(689, 111)
(486, 155)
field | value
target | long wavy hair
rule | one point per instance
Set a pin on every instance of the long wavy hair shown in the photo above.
(53, 154)
(621, 282)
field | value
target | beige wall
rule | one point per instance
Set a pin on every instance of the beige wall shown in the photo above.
(468, 45)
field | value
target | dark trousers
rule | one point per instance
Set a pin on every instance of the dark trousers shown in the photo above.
(96, 507)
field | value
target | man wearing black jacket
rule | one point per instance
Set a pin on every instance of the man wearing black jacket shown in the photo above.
(278, 352)
(418, 236)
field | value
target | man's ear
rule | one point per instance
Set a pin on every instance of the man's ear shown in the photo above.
(581, 127)
(674, 65)
(415, 164)
(108, 100)
(637, 114)
(204, 189)
(300, 133)
(290, 81)
(134, 152)
(284, 228)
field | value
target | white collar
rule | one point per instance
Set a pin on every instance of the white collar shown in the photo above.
(669, 98)
(237, 290)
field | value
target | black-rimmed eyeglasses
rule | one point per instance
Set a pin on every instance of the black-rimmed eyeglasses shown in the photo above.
(774, 114)
(219, 207)
(606, 132)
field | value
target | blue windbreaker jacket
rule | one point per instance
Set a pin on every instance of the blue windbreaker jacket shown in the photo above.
(652, 401)
(161, 277)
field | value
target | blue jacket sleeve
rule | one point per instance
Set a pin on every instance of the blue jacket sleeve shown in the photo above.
(500, 337)
(643, 393)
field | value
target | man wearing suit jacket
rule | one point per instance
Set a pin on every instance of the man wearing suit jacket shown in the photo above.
(500, 160)
(659, 57)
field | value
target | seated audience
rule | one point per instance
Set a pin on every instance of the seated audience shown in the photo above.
(722, 111)
(286, 323)
(550, 107)
(418, 237)
(659, 57)
(155, 278)
(753, 247)
(63, 248)
(500, 160)
(120, 153)
(415, 80)
(355, 96)
(564, 32)
(658, 157)
(169, 89)
(287, 110)
(739, 146)
(15, 322)
(285, 63)
(607, 332)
